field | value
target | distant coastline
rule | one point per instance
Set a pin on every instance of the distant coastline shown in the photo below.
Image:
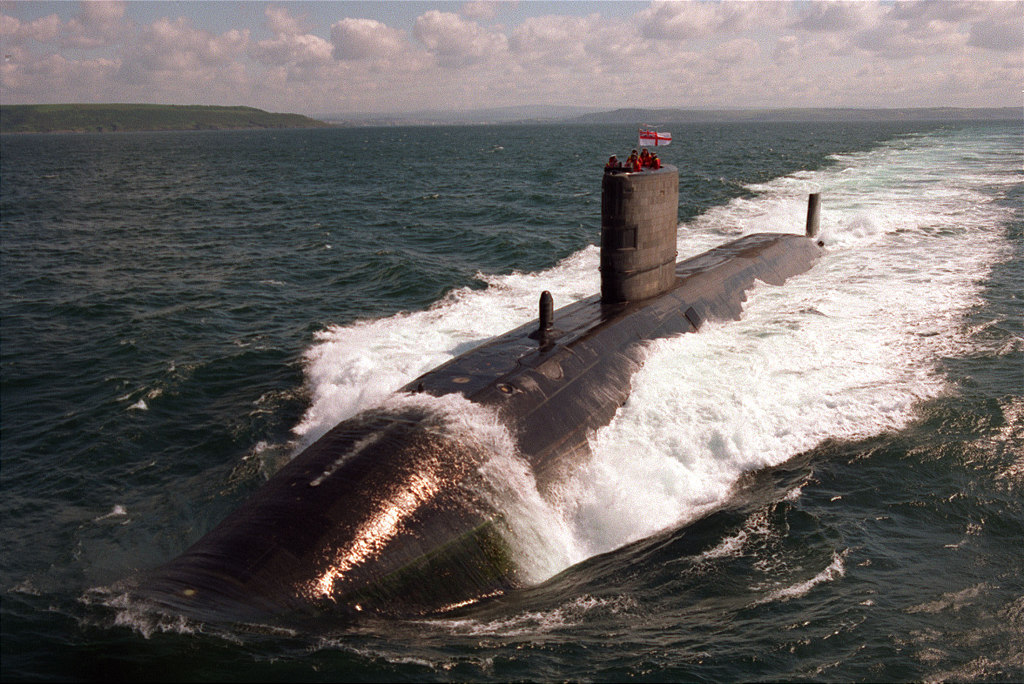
(810, 114)
(103, 118)
(80, 118)
(534, 114)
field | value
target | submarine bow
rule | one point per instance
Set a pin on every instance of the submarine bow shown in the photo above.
(389, 512)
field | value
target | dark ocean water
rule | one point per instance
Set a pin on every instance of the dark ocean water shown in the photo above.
(829, 489)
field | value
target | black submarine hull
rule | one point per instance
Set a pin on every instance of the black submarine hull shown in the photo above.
(388, 512)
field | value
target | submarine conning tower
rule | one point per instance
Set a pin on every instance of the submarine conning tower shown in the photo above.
(639, 215)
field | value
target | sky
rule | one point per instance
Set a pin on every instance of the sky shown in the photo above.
(355, 58)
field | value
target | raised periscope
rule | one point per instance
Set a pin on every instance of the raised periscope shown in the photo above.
(385, 512)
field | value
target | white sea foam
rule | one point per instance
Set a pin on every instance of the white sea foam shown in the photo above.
(536, 623)
(835, 570)
(753, 533)
(543, 539)
(845, 351)
(118, 511)
(355, 367)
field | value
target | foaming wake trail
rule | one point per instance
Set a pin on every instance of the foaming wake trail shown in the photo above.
(354, 367)
(845, 351)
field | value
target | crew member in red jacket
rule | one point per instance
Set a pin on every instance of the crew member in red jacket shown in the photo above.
(633, 163)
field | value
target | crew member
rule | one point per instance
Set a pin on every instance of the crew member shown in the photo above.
(633, 163)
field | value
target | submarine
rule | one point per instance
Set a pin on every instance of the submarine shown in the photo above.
(390, 512)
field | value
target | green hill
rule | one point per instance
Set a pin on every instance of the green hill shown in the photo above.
(142, 117)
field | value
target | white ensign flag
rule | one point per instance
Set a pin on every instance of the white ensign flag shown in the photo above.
(654, 139)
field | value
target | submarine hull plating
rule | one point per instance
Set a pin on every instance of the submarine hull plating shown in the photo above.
(386, 512)
(363, 518)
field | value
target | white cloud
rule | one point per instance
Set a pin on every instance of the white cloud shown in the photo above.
(574, 51)
(551, 41)
(98, 24)
(456, 42)
(480, 9)
(694, 20)
(678, 20)
(366, 39)
(67, 80)
(900, 39)
(906, 29)
(16, 32)
(175, 55)
(280, 21)
(291, 48)
(702, 54)
(835, 16)
(946, 10)
(737, 50)
(1003, 33)
(291, 45)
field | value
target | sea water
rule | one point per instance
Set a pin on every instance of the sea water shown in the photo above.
(828, 488)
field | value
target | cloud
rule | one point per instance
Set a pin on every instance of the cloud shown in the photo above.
(823, 17)
(791, 51)
(291, 45)
(280, 21)
(737, 50)
(678, 20)
(288, 48)
(581, 48)
(904, 30)
(479, 10)
(702, 53)
(552, 41)
(945, 10)
(366, 39)
(901, 39)
(1003, 32)
(456, 42)
(174, 54)
(16, 32)
(98, 24)
(66, 80)
(694, 20)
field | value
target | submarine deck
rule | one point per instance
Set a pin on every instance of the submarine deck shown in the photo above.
(302, 546)
(709, 285)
